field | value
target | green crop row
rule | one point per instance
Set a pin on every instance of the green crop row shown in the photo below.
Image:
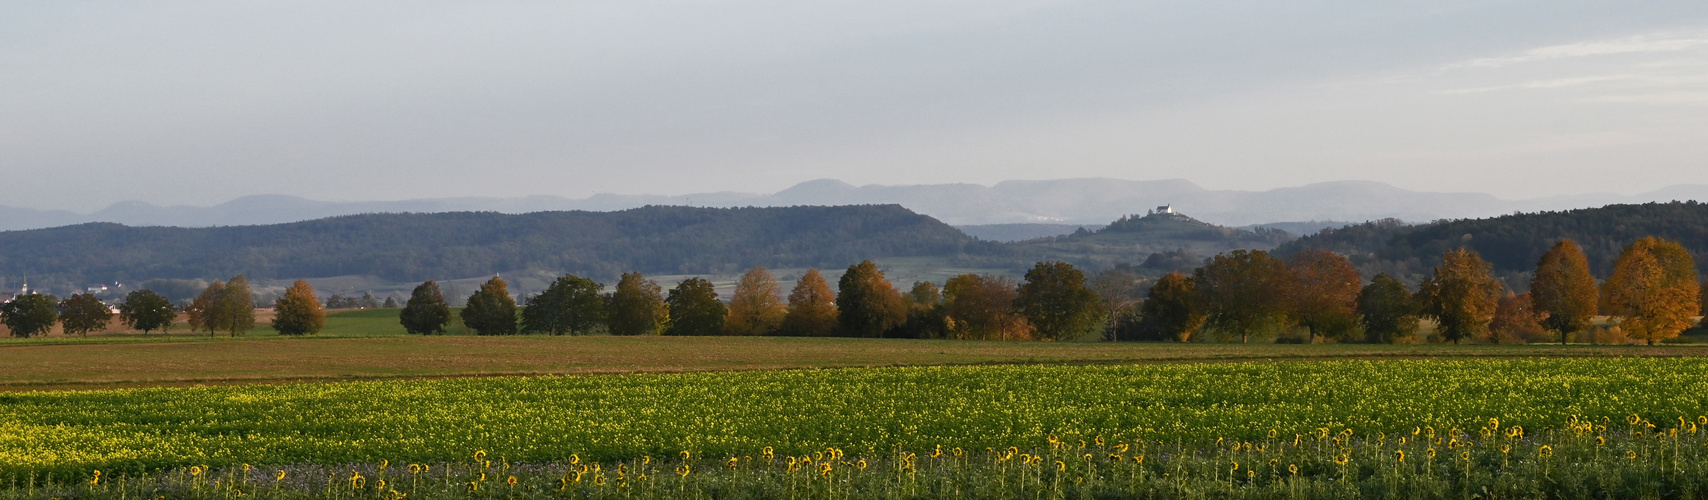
(868, 412)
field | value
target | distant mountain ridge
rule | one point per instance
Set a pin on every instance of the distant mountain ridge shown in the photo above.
(1061, 201)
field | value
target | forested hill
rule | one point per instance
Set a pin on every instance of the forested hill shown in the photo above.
(411, 247)
(1513, 243)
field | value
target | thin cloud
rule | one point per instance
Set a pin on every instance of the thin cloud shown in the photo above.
(1664, 42)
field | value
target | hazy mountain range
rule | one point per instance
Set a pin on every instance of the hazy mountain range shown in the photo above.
(1063, 201)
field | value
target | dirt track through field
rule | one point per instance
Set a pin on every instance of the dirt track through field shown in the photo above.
(93, 365)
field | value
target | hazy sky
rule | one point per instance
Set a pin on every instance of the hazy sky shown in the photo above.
(200, 102)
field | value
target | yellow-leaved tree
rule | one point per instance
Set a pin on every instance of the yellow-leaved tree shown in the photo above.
(1654, 289)
(1462, 295)
(812, 307)
(755, 309)
(298, 312)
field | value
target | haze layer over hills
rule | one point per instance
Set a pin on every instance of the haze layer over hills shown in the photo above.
(1063, 201)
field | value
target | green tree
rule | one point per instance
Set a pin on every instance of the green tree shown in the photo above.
(867, 304)
(1461, 295)
(570, 305)
(426, 312)
(298, 312)
(1057, 303)
(925, 314)
(1564, 289)
(754, 307)
(1654, 288)
(695, 309)
(83, 313)
(812, 307)
(1243, 291)
(981, 307)
(490, 310)
(1388, 310)
(226, 307)
(390, 303)
(237, 307)
(147, 311)
(1172, 311)
(29, 315)
(1322, 291)
(637, 307)
(368, 301)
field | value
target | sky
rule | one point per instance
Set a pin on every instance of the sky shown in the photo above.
(201, 102)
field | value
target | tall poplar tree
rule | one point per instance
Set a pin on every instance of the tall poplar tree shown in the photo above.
(237, 305)
(637, 307)
(491, 310)
(298, 311)
(867, 304)
(1564, 289)
(754, 307)
(1654, 287)
(1461, 295)
(812, 307)
(426, 312)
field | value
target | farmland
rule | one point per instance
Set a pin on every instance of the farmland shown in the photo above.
(868, 413)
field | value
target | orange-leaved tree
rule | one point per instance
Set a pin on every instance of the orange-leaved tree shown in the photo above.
(1461, 295)
(1564, 289)
(812, 307)
(1516, 320)
(298, 312)
(755, 308)
(1323, 293)
(1653, 286)
(867, 304)
(981, 307)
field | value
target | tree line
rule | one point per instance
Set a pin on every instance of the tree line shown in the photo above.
(1651, 293)
(1052, 302)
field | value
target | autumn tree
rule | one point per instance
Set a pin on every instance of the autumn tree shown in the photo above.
(1516, 320)
(695, 309)
(812, 307)
(204, 311)
(1055, 300)
(1171, 311)
(1564, 289)
(981, 307)
(1654, 288)
(867, 304)
(29, 315)
(637, 307)
(298, 311)
(426, 311)
(147, 311)
(491, 310)
(1117, 289)
(1388, 311)
(571, 305)
(1461, 295)
(1322, 294)
(754, 307)
(1243, 291)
